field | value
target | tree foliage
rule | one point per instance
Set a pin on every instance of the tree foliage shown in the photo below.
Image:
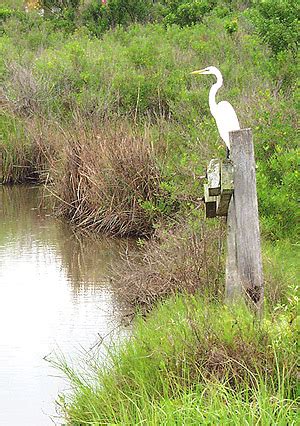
(277, 23)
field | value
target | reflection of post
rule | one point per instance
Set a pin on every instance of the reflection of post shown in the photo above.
(244, 264)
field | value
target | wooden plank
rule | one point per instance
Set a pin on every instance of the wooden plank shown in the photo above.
(210, 203)
(245, 272)
(227, 176)
(226, 188)
(213, 177)
(223, 204)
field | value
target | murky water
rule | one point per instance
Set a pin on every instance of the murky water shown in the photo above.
(54, 296)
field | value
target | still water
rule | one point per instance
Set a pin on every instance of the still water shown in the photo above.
(55, 297)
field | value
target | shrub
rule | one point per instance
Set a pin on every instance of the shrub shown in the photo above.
(61, 13)
(231, 26)
(278, 186)
(277, 156)
(277, 23)
(57, 5)
(188, 12)
(99, 18)
(5, 14)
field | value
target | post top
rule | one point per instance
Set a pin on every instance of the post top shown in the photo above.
(246, 130)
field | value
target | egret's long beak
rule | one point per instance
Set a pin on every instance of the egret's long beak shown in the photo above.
(199, 71)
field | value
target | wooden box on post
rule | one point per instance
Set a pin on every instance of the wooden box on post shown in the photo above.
(213, 177)
(218, 190)
(210, 203)
(226, 188)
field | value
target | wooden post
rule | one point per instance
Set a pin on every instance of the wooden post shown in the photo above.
(1, 166)
(244, 265)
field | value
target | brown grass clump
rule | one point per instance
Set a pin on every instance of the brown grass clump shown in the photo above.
(178, 260)
(24, 155)
(102, 178)
(234, 361)
(22, 93)
(105, 179)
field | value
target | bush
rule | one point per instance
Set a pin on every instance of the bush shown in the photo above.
(277, 23)
(277, 154)
(278, 186)
(187, 12)
(5, 14)
(57, 5)
(99, 18)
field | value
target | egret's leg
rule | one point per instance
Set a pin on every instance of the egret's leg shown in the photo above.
(227, 153)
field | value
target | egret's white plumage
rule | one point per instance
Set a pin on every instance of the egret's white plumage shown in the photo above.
(223, 112)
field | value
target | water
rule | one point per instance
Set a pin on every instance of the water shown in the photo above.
(54, 296)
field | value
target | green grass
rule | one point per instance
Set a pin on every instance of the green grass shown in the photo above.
(197, 362)
(205, 405)
(12, 4)
(281, 261)
(171, 372)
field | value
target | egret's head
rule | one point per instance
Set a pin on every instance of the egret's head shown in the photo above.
(207, 70)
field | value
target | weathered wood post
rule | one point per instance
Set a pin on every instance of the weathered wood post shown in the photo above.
(244, 263)
(1, 165)
(231, 192)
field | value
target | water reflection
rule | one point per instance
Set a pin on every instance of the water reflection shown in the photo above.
(54, 293)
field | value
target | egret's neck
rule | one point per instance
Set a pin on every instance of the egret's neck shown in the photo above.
(213, 91)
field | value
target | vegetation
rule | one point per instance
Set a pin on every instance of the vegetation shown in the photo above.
(99, 105)
(194, 361)
(188, 258)
(139, 77)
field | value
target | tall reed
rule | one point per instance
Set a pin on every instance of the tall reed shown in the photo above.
(103, 176)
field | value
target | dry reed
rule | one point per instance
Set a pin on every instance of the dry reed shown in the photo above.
(178, 260)
(101, 177)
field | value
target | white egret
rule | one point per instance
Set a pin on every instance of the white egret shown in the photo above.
(223, 112)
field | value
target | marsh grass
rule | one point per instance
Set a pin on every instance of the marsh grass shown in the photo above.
(26, 155)
(281, 263)
(103, 175)
(15, 150)
(191, 362)
(185, 257)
